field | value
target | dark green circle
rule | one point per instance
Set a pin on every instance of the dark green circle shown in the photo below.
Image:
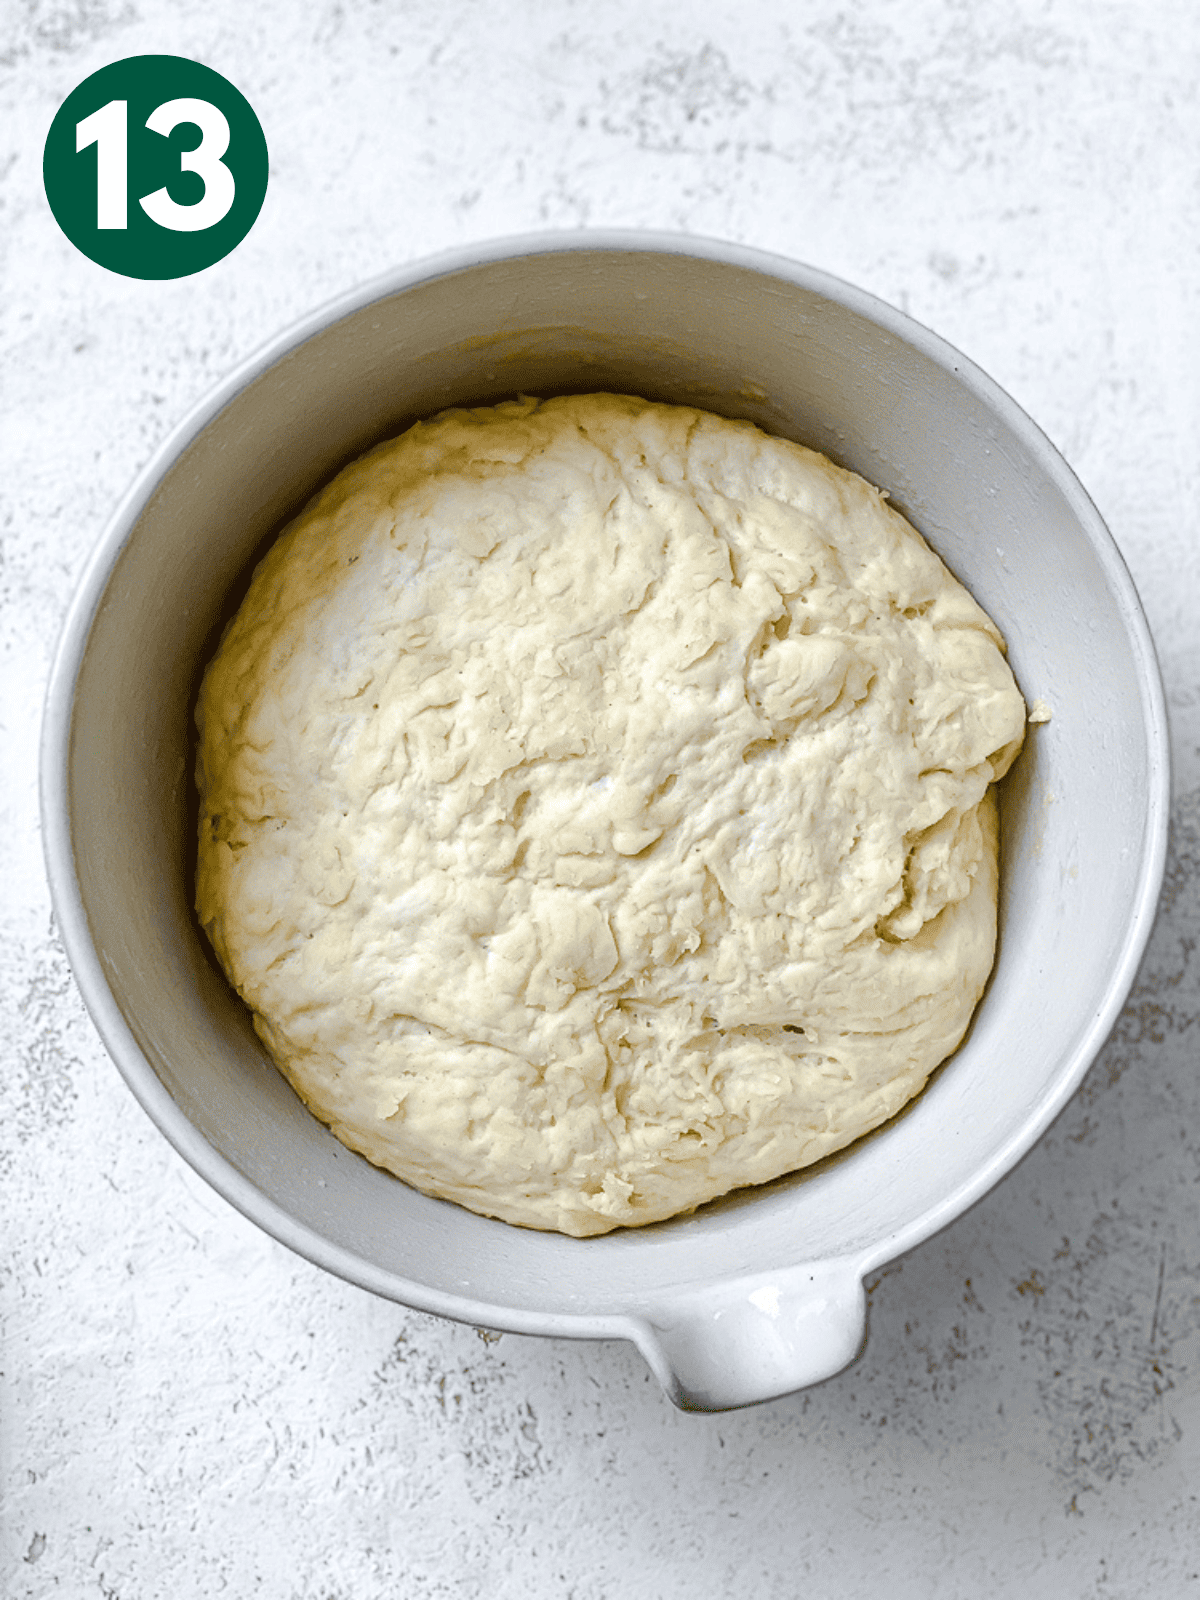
(144, 249)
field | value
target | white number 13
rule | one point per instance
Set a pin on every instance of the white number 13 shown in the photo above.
(107, 130)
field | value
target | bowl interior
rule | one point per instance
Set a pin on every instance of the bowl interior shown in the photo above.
(803, 357)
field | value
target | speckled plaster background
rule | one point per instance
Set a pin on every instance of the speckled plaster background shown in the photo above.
(188, 1409)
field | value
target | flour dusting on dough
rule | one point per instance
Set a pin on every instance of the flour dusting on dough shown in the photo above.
(595, 808)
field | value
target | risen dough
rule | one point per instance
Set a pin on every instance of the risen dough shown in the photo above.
(595, 808)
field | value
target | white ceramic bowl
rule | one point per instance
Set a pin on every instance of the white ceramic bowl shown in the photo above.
(762, 1292)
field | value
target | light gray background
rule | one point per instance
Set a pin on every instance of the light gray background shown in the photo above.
(189, 1410)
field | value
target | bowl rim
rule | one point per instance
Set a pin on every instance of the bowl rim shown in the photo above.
(71, 917)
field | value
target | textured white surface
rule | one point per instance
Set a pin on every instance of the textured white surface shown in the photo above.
(187, 1408)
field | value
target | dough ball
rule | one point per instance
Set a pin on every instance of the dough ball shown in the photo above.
(595, 808)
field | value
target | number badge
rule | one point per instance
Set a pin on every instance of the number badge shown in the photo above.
(155, 167)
